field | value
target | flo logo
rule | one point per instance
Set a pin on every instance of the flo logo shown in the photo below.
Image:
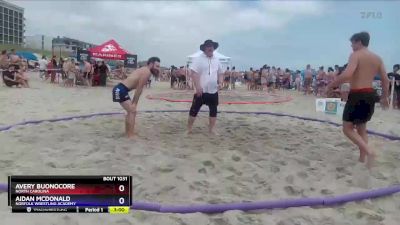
(84, 57)
(131, 60)
(371, 15)
(109, 48)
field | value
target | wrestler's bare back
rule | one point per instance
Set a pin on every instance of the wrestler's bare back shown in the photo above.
(368, 66)
(137, 77)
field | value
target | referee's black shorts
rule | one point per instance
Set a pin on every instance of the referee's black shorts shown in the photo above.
(208, 99)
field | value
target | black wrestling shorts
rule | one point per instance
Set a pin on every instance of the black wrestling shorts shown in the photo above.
(360, 105)
(87, 75)
(211, 100)
(120, 93)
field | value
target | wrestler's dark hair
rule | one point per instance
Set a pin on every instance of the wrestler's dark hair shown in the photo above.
(233, 68)
(321, 67)
(330, 69)
(153, 60)
(227, 68)
(251, 68)
(362, 36)
(396, 66)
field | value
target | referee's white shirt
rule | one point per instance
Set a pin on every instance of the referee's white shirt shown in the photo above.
(208, 70)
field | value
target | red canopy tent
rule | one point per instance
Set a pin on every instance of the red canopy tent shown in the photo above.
(108, 50)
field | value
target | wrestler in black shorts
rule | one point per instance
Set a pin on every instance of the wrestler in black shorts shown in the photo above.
(360, 105)
(208, 99)
(87, 75)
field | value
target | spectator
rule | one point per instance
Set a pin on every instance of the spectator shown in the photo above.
(103, 72)
(42, 66)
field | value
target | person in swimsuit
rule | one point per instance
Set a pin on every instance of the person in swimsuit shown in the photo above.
(227, 77)
(234, 77)
(247, 77)
(135, 80)
(174, 77)
(87, 72)
(308, 79)
(297, 80)
(320, 87)
(362, 67)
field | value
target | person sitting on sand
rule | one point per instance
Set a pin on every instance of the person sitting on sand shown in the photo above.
(362, 67)
(135, 80)
(21, 73)
(11, 78)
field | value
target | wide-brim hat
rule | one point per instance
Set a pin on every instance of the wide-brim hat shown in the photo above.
(209, 43)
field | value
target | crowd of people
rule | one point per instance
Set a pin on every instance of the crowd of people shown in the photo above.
(267, 78)
(271, 78)
(88, 73)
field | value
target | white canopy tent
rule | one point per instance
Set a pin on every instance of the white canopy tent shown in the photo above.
(225, 60)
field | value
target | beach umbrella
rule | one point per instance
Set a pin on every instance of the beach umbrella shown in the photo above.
(27, 55)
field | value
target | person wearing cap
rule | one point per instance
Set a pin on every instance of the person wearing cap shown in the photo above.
(207, 74)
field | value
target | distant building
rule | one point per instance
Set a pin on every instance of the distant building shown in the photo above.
(12, 24)
(65, 44)
(41, 42)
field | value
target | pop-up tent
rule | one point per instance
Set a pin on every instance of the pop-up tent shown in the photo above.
(224, 60)
(108, 50)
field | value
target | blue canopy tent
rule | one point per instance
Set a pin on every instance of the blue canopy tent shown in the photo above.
(27, 55)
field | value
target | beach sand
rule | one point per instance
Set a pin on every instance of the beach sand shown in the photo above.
(255, 157)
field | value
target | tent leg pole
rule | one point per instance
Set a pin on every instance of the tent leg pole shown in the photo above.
(392, 94)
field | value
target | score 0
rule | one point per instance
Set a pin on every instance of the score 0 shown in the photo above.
(121, 189)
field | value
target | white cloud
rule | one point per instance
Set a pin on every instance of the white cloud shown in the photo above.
(170, 29)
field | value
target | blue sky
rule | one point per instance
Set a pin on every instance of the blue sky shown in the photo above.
(282, 33)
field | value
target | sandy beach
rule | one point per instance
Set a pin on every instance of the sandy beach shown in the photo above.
(255, 157)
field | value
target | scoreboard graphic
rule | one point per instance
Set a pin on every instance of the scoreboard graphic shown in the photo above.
(70, 194)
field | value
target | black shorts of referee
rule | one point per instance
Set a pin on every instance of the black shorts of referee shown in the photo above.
(211, 100)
